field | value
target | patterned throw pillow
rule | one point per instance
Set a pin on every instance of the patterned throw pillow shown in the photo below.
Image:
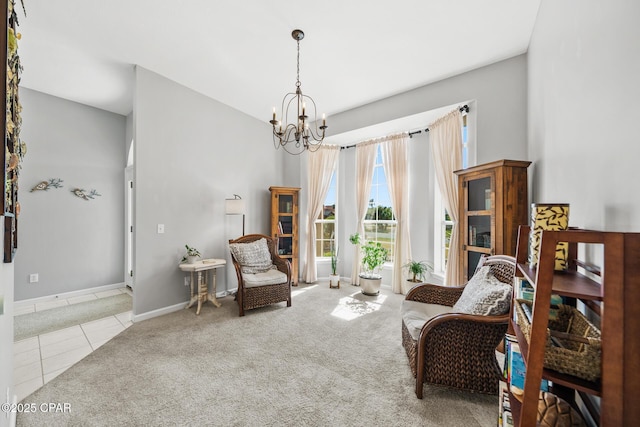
(484, 295)
(253, 257)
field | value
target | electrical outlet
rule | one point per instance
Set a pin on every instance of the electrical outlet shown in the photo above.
(160, 228)
(187, 280)
(33, 278)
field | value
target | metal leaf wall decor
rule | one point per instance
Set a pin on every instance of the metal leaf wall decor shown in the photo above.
(83, 194)
(45, 185)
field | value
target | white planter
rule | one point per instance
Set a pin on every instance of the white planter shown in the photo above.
(408, 283)
(370, 285)
(191, 259)
(334, 280)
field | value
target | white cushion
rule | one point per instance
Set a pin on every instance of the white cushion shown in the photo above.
(269, 277)
(484, 295)
(253, 257)
(415, 314)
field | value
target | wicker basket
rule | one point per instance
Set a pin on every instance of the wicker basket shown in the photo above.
(577, 347)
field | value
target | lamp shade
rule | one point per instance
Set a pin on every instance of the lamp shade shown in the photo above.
(234, 207)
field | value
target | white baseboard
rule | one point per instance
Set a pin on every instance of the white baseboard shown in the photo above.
(68, 294)
(158, 312)
(172, 308)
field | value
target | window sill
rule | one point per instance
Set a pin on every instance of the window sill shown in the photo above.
(439, 276)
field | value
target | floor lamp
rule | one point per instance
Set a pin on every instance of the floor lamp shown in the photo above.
(235, 206)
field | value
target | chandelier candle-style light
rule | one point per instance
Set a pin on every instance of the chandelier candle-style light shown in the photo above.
(293, 132)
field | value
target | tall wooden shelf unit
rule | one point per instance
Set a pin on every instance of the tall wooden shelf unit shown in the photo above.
(493, 202)
(284, 225)
(613, 296)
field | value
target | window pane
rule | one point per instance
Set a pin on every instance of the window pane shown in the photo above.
(380, 221)
(328, 230)
(447, 242)
(326, 248)
(329, 211)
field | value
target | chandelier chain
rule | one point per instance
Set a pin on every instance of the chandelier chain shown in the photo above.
(298, 66)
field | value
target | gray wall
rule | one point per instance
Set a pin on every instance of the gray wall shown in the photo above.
(584, 61)
(72, 244)
(499, 102)
(192, 152)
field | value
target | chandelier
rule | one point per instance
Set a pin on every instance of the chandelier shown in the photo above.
(292, 131)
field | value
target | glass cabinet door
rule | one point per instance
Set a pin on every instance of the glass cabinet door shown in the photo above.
(285, 203)
(479, 226)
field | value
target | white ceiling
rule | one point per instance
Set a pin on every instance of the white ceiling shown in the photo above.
(241, 52)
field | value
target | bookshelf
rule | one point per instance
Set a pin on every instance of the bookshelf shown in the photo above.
(492, 204)
(612, 294)
(284, 225)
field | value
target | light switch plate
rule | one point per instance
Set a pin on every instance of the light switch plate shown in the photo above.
(160, 228)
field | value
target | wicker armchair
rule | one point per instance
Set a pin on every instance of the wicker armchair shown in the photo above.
(455, 349)
(258, 290)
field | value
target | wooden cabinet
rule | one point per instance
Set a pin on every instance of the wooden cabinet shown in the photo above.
(493, 202)
(284, 225)
(611, 295)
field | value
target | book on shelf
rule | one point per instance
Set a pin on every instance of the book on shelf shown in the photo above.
(280, 227)
(524, 291)
(505, 417)
(516, 370)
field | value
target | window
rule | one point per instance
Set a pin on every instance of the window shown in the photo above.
(326, 222)
(443, 224)
(443, 228)
(380, 222)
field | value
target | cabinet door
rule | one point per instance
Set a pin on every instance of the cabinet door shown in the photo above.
(478, 222)
(284, 209)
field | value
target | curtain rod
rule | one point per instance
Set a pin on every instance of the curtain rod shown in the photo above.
(464, 108)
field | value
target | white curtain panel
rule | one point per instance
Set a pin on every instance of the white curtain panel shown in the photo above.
(322, 164)
(395, 159)
(445, 136)
(365, 161)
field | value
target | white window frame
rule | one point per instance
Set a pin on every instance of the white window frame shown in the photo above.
(334, 221)
(440, 225)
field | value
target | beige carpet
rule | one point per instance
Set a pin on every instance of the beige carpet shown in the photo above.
(332, 359)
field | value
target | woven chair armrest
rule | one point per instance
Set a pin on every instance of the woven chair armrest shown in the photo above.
(430, 293)
(282, 265)
(465, 327)
(452, 318)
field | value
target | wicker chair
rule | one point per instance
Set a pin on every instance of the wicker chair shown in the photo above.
(455, 349)
(255, 290)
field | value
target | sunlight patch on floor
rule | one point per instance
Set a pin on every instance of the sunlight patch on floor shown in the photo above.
(296, 292)
(357, 305)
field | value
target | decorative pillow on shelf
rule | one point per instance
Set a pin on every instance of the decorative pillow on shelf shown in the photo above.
(484, 295)
(253, 257)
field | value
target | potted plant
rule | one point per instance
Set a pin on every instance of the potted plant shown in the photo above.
(416, 271)
(373, 256)
(334, 277)
(355, 238)
(191, 256)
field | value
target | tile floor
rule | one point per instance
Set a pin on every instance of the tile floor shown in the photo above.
(39, 359)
